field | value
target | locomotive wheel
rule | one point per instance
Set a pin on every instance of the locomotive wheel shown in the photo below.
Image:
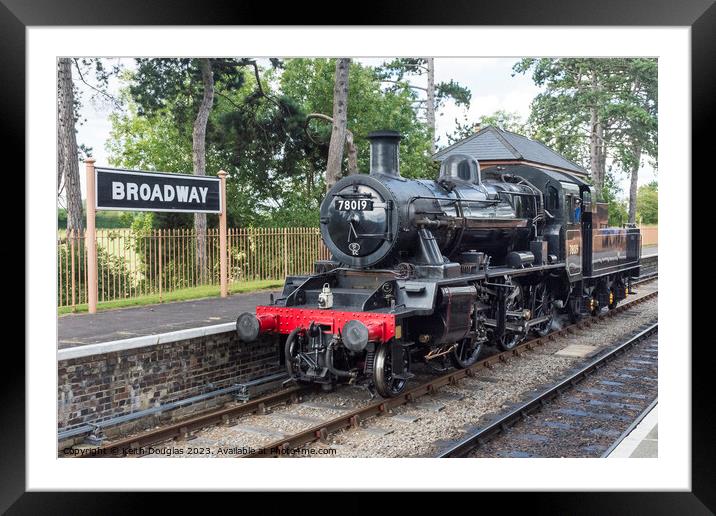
(514, 302)
(542, 307)
(291, 353)
(614, 302)
(466, 353)
(509, 341)
(385, 384)
(573, 315)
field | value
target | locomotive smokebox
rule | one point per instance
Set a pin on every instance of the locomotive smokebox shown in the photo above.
(384, 155)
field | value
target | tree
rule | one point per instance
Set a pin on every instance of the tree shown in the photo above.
(595, 110)
(273, 142)
(571, 109)
(617, 209)
(430, 101)
(188, 85)
(505, 120)
(350, 141)
(68, 174)
(69, 102)
(199, 154)
(340, 120)
(638, 122)
(648, 203)
(310, 82)
(399, 71)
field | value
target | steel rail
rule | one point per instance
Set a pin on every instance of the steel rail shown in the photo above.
(287, 446)
(504, 422)
(646, 278)
(631, 428)
(184, 428)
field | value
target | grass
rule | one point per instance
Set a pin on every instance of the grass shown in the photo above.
(103, 219)
(184, 294)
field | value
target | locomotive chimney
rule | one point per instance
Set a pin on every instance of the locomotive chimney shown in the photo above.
(384, 156)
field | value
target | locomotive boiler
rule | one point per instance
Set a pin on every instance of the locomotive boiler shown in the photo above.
(432, 270)
(382, 218)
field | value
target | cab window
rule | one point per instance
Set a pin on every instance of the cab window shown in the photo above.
(463, 171)
(552, 201)
(586, 199)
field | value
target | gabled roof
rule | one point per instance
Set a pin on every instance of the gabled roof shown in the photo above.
(494, 144)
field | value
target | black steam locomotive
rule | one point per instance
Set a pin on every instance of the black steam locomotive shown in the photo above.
(432, 271)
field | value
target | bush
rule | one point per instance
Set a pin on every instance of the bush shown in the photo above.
(103, 219)
(113, 275)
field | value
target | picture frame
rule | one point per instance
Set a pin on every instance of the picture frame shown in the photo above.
(700, 15)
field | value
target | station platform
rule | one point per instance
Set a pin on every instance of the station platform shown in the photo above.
(642, 442)
(125, 323)
(649, 250)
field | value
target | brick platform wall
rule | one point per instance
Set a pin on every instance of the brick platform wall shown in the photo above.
(104, 386)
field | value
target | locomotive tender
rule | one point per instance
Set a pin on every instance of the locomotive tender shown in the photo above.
(433, 270)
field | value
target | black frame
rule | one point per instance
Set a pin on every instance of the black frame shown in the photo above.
(700, 15)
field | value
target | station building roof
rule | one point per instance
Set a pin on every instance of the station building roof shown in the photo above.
(494, 146)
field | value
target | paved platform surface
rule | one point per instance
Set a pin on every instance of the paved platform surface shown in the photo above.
(643, 441)
(124, 323)
(649, 250)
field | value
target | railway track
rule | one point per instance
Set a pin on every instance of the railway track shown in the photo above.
(184, 429)
(612, 390)
(227, 416)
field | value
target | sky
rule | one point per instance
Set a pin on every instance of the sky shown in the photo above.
(490, 80)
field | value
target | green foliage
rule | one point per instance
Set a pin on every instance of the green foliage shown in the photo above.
(310, 82)
(618, 211)
(505, 120)
(452, 90)
(620, 92)
(400, 75)
(145, 246)
(113, 269)
(61, 218)
(103, 219)
(177, 82)
(647, 204)
(155, 143)
(274, 151)
(399, 72)
(561, 112)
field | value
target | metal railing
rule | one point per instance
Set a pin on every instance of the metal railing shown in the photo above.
(132, 263)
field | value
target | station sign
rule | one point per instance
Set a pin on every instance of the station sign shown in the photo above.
(128, 190)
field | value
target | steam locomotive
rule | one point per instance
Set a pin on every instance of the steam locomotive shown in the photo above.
(433, 270)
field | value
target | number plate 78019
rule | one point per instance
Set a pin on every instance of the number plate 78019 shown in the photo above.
(354, 205)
